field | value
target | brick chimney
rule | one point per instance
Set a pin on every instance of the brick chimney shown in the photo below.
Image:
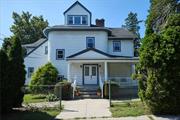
(100, 22)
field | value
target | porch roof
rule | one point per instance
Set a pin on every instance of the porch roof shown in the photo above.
(92, 55)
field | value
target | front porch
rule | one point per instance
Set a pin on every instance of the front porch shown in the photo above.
(93, 72)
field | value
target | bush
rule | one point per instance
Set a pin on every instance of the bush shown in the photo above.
(51, 98)
(114, 89)
(45, 75)
(66, 90)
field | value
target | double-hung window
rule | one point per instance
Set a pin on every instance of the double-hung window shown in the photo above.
(77, 20)
(84, 20)
(46, 50)
(70, 20)
(30, 71)
(116, 46)
(60, 53)
(90, 42)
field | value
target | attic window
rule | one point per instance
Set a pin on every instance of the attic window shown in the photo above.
(77, 20)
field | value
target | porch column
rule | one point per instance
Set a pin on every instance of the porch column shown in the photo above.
(68, 71)
(105, 71)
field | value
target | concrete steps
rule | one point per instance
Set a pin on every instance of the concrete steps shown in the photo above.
(89, 91)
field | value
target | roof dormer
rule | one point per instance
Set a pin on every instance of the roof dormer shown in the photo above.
(77, 15)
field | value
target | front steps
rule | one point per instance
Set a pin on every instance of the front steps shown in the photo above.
(88, 91)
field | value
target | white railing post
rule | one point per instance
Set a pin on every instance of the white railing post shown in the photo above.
(101, 84)
(68, 71)
(74, 86)
(105, 71)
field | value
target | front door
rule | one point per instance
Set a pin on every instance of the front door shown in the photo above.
(90, 74)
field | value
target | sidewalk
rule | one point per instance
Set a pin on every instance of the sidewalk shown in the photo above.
(85, 108)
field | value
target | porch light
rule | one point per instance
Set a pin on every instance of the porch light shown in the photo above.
(81, 66)
(99, 65)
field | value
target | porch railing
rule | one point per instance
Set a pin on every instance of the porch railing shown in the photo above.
(74, 86)
(101, 84)
(124, 81)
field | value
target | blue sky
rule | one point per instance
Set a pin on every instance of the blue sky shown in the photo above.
(113, 11)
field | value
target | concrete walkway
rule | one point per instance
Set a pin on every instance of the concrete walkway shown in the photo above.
(85, 108)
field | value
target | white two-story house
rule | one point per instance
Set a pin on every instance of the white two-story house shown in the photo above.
(89, 54)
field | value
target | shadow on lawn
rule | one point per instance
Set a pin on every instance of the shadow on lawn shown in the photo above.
(27, 115)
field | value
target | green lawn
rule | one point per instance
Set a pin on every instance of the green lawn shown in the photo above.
(46, 114)
(124, 109)
(32, 98)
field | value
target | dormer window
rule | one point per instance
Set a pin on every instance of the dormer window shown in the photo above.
(77, 20)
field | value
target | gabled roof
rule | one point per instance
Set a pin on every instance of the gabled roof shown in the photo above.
(77, 2)
(40, 43)
(95, 50)
(121, 33)
(34, 44)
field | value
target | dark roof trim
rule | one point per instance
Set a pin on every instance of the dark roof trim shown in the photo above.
(77, 2)
(35, 48)
(108, 59)
(95, 50)
(120, 38)
(49, 29)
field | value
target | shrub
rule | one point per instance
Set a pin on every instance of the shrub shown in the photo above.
(45, 75)
(114, 89)
(66, 90)
(51, 98)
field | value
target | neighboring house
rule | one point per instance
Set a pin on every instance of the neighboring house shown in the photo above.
(89, 54)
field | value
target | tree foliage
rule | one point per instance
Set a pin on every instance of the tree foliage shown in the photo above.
(159, 12)
(28, 28)
(5, 83)
(17, 70)
(12, 76)
(159, 67)
(45, 75)
(132, 24)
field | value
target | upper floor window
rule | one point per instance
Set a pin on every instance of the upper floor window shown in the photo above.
(116, 46)
(60, 54)
(70, 20)
(30, 71)
(46, 50)
(77, 20)
(90, 42)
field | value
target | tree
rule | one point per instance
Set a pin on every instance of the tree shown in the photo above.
(27, 28)
(132, 24)
(45, 75)
(159, 12)
(6, 99)
(17, 71)
(159, 67)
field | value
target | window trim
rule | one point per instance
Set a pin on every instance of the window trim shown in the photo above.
(63, 50)
(119, 41)
(81, 19)
(93, 42)
(28, 71)
(46, 50)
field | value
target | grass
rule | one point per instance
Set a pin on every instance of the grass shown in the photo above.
(125, 109)
(44, 114)
(32, 98)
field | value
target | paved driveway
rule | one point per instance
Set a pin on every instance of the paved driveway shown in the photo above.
(85, 108)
